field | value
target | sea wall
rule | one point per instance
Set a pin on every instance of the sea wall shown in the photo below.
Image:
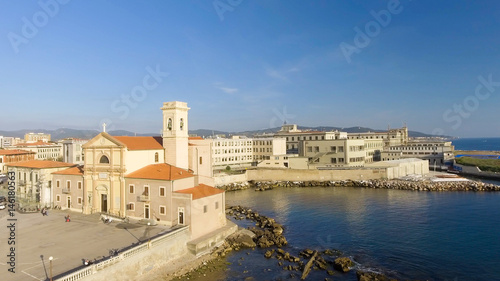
(221, 180)
(316, 175)
(383, 184)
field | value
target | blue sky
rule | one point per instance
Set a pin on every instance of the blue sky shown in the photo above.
(245, 65)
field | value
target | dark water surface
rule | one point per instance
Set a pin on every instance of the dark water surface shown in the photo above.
(405, 234)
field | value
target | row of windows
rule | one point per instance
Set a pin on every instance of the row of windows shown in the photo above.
(232, 143)
(161, 190)
(305, 138)
(105, 160)
(225, 151)
(356, 148)
(336, 160)
(68, 184)
(356, 159)
(231, 159)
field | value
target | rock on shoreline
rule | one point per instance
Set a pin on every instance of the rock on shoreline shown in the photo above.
(379, 184)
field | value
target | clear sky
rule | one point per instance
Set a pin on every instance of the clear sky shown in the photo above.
(245, 65)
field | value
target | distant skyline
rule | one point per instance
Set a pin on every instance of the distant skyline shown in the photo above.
(248, 65)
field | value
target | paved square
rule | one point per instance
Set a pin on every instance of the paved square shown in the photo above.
(69, 243)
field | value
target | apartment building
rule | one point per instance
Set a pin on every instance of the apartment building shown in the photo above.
(12, 156)
(293, 136)
(72, 150)
(435, 151)
(240, 152)
(43, 150)
(35, 137)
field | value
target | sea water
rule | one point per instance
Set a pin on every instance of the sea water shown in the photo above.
(405, 234)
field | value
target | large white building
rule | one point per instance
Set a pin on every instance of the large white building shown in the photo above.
(35, 137)
(43, 150)
(242, 152)
(437, 152)
(73, 151)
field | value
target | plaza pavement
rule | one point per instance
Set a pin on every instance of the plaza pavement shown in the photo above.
(69, 243)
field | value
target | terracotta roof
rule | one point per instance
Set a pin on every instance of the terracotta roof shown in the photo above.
(78, 170)
(15, 151)
(160, 172)
(141, 143)
(195, 138)
(34, 143)
(201, 191)
(40, 164)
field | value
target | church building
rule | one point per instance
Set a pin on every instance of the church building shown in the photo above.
(148, 178)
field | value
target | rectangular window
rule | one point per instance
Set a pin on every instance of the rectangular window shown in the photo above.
(131, 206)
(201, 160)
(163, 210)
(58, 198)
(146, 191)
(217, 205)
(79, 185)
(162, 191)
(205, 208)
(131, 188)
(58, 184)
(68, 184)
(79, 200)
(309, 149)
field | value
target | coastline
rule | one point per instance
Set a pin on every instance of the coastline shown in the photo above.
(439, 184)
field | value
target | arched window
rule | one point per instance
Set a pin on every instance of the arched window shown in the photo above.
(104, 160)
(181, 126)
(156, 157)
(169, 124)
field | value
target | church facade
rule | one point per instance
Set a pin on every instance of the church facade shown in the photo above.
(150, 178)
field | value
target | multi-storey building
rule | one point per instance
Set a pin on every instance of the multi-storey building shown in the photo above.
(11, 156)
(35, 137)
(235, 152)
(43, 150)
(341, 152)
(391, 137)
(436, 152)
(293, 136)
(33, 180)
(10, 141)
(241, 152)
(72, 150)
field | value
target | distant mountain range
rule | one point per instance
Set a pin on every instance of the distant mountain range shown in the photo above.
(88, 134)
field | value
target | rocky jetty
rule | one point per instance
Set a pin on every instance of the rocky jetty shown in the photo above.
(267, 231)
(235, 186)
(383, 184)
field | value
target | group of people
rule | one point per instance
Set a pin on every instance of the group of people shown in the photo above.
(45, 212)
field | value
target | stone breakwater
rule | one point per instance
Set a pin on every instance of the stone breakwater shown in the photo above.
(423, 185)
(269, 234)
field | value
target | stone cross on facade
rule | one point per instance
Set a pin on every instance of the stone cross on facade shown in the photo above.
(104, 127)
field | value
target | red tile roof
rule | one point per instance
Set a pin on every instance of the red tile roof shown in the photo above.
(141, 143)
(78, 170)
(40, 164)
(195, 138)
(201, 191)
(160, 172)
(15, 152)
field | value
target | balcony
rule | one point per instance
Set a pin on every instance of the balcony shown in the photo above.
(143, 198)
(66, 190)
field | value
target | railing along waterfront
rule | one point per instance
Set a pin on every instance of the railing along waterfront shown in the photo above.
(95, 268)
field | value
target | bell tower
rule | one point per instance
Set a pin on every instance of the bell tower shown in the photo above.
(175, 133)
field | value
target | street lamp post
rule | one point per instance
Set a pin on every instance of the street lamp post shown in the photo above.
(50, 266)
